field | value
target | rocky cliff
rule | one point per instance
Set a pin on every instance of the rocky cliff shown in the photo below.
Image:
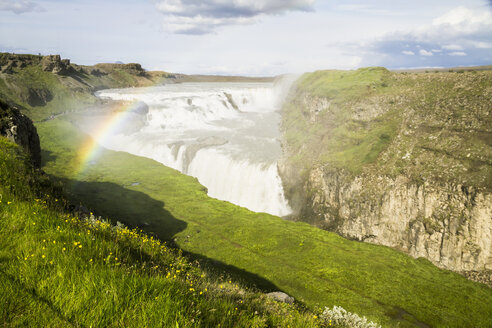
(42, 86)
(448, 224)
(20, 129)
(402, 160)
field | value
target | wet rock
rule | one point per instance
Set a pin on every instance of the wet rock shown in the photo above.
(140, 108)
(231, 101)
(201, 143)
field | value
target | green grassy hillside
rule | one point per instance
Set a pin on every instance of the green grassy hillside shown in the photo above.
(57, 270)
(317, 267)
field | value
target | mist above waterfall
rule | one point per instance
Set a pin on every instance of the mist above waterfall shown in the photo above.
(224, 134)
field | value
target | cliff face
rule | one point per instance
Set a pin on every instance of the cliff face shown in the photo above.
(448, 224)
(19, 128)
(421, 184)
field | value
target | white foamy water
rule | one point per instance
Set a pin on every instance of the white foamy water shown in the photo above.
(224, 134)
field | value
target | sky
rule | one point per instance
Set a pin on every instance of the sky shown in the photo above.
(252, 37)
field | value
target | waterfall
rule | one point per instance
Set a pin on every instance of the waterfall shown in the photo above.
(224, 134)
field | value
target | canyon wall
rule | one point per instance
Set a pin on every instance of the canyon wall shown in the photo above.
(402, 160)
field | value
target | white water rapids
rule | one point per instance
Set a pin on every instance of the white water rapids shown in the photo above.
(224, 134)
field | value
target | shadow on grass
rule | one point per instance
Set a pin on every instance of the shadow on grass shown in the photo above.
(137, 210)
(219, 268)
(47, 157)
(133, 208)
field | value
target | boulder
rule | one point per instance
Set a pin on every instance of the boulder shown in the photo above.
(281, 297)
(19, 128)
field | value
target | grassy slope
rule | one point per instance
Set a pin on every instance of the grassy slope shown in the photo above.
(317, 267)
(57, 270)
(69, 92)
(440, 119)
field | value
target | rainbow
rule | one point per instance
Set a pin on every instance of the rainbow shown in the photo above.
(91, 147)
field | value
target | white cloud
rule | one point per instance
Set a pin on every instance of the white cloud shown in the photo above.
(442, 42)
(452, 47)
(457, 53)
(202, 17)
(19, 6)
(367, 9)
(201, 24)
(426, 53)
(482, 45)
(408, 52)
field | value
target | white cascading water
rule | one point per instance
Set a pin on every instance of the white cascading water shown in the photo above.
(224, 134)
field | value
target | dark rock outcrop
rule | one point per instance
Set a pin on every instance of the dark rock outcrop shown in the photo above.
(97, 72)
(8, 67)
(37, 97)
(56, 65)
(50, 63)
(18, 60)
(131, 68)
(19, 128)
